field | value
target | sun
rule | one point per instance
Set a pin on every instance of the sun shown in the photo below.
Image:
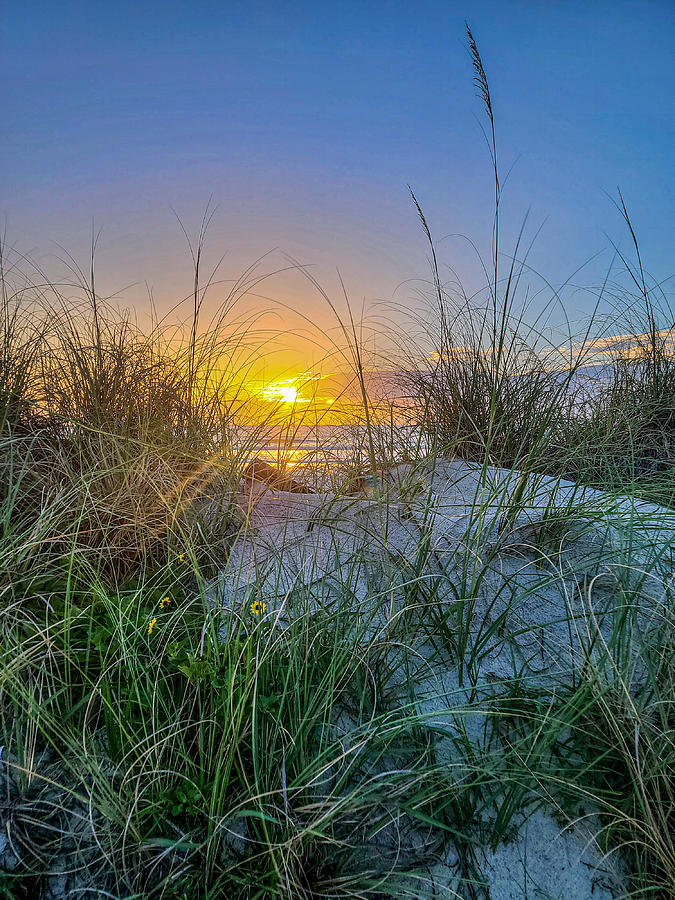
(284, 392)
(290, 393)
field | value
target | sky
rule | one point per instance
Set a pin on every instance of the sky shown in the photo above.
(303, 123)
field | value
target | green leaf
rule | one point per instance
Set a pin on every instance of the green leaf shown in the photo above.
(256, 814)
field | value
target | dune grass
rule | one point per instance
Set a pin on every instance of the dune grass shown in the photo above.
(158, 743)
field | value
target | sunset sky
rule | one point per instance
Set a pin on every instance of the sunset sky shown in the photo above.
(306, 121)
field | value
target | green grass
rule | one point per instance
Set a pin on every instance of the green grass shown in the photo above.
(295, 761)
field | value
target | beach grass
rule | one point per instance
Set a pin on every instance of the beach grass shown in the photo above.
(155, 743)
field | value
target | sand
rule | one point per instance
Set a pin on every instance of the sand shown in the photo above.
(548, 567)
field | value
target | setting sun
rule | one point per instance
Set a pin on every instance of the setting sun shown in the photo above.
(284, 392)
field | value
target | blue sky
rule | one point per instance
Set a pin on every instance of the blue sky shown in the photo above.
(306, 121)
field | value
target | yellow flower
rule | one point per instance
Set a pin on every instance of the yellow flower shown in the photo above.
(258, 607)
(164, 602)
(181, 558)
(152, 624)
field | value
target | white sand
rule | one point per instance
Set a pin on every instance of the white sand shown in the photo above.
(553, 563)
